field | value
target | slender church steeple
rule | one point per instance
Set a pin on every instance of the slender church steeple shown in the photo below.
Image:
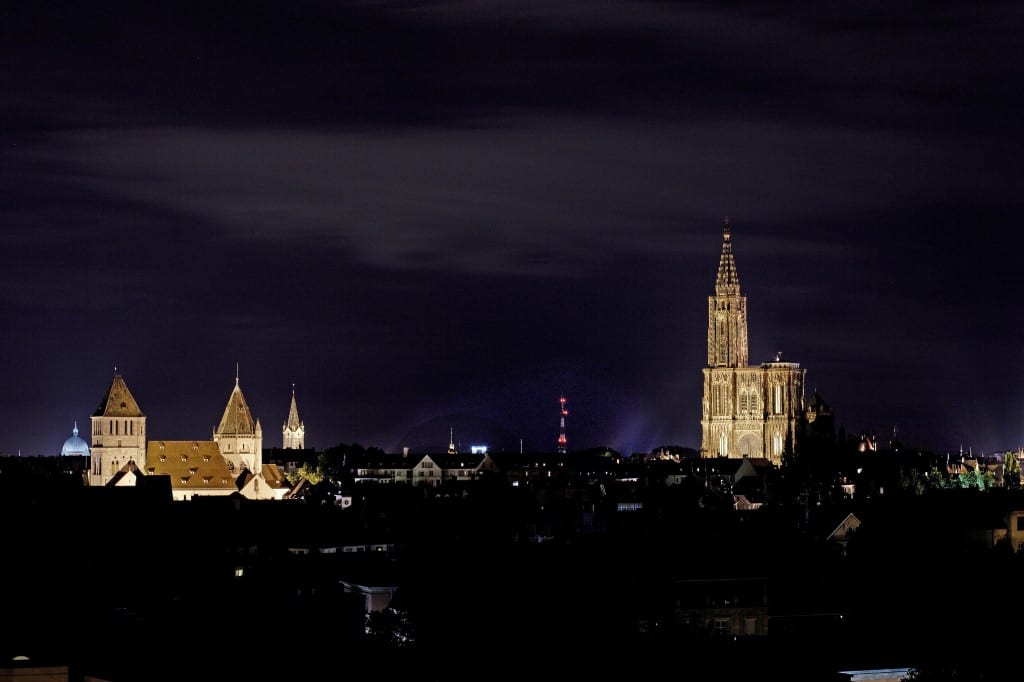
(728, 283)
(727, 312)
(293, 434)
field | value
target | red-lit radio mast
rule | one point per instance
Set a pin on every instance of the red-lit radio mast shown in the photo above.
(561, 426)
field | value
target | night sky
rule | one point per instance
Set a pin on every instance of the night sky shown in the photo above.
(427, 215)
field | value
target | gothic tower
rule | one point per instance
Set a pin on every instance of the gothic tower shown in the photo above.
(118, 433)
(239, 436)
(293, 433)
(747, 411)
(727, 312)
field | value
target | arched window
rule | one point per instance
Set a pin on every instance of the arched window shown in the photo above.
(723, 444)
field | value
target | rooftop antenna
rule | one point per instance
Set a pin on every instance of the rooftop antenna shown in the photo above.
(561, 426)
(236, 373)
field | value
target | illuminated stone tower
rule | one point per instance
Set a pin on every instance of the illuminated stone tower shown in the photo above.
(748, 411)
(239, 436)
(118, 433)
(293, 433)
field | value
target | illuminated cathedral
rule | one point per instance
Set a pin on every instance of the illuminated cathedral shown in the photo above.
(748, 410)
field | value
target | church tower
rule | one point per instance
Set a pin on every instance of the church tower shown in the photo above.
(727, 312)
(239, 436)
(747, 411)
(293, 433)
(118, 433)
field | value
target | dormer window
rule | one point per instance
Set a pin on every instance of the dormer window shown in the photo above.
(163, 458)
(184, 458)
(206, 458)
(184, 479)
(193, 471)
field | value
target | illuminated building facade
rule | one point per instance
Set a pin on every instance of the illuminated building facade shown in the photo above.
(118, 433)
(239, 436)
(748, 410)
(293, 433)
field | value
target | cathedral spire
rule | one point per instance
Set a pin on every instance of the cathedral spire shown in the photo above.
(727, 312)
(293, 432)
(728, 282)
(293, 413)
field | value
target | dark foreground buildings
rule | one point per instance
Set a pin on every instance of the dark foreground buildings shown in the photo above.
(604, 570)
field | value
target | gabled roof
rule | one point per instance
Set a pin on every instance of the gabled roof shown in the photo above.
(118, 401)
(237, 419)
(753, 466)
(850, 522)
(129, 471)
(457, 461)
(274, 477)
(189, 464)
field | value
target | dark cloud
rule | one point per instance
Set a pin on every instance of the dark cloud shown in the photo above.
(421, 210)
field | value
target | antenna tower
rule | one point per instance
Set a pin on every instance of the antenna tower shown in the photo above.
(561, 426)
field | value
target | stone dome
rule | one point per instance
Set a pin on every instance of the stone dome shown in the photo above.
(75, 446)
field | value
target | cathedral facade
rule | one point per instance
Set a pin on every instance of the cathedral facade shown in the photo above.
(748, 410)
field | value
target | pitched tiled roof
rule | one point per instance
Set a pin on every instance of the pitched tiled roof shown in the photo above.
(237, 419)
(189, 464)
(274, 477)
(118, 401)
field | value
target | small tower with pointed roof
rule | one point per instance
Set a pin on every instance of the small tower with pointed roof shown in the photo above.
(118, 433)
(239, 436)
(293, 433)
